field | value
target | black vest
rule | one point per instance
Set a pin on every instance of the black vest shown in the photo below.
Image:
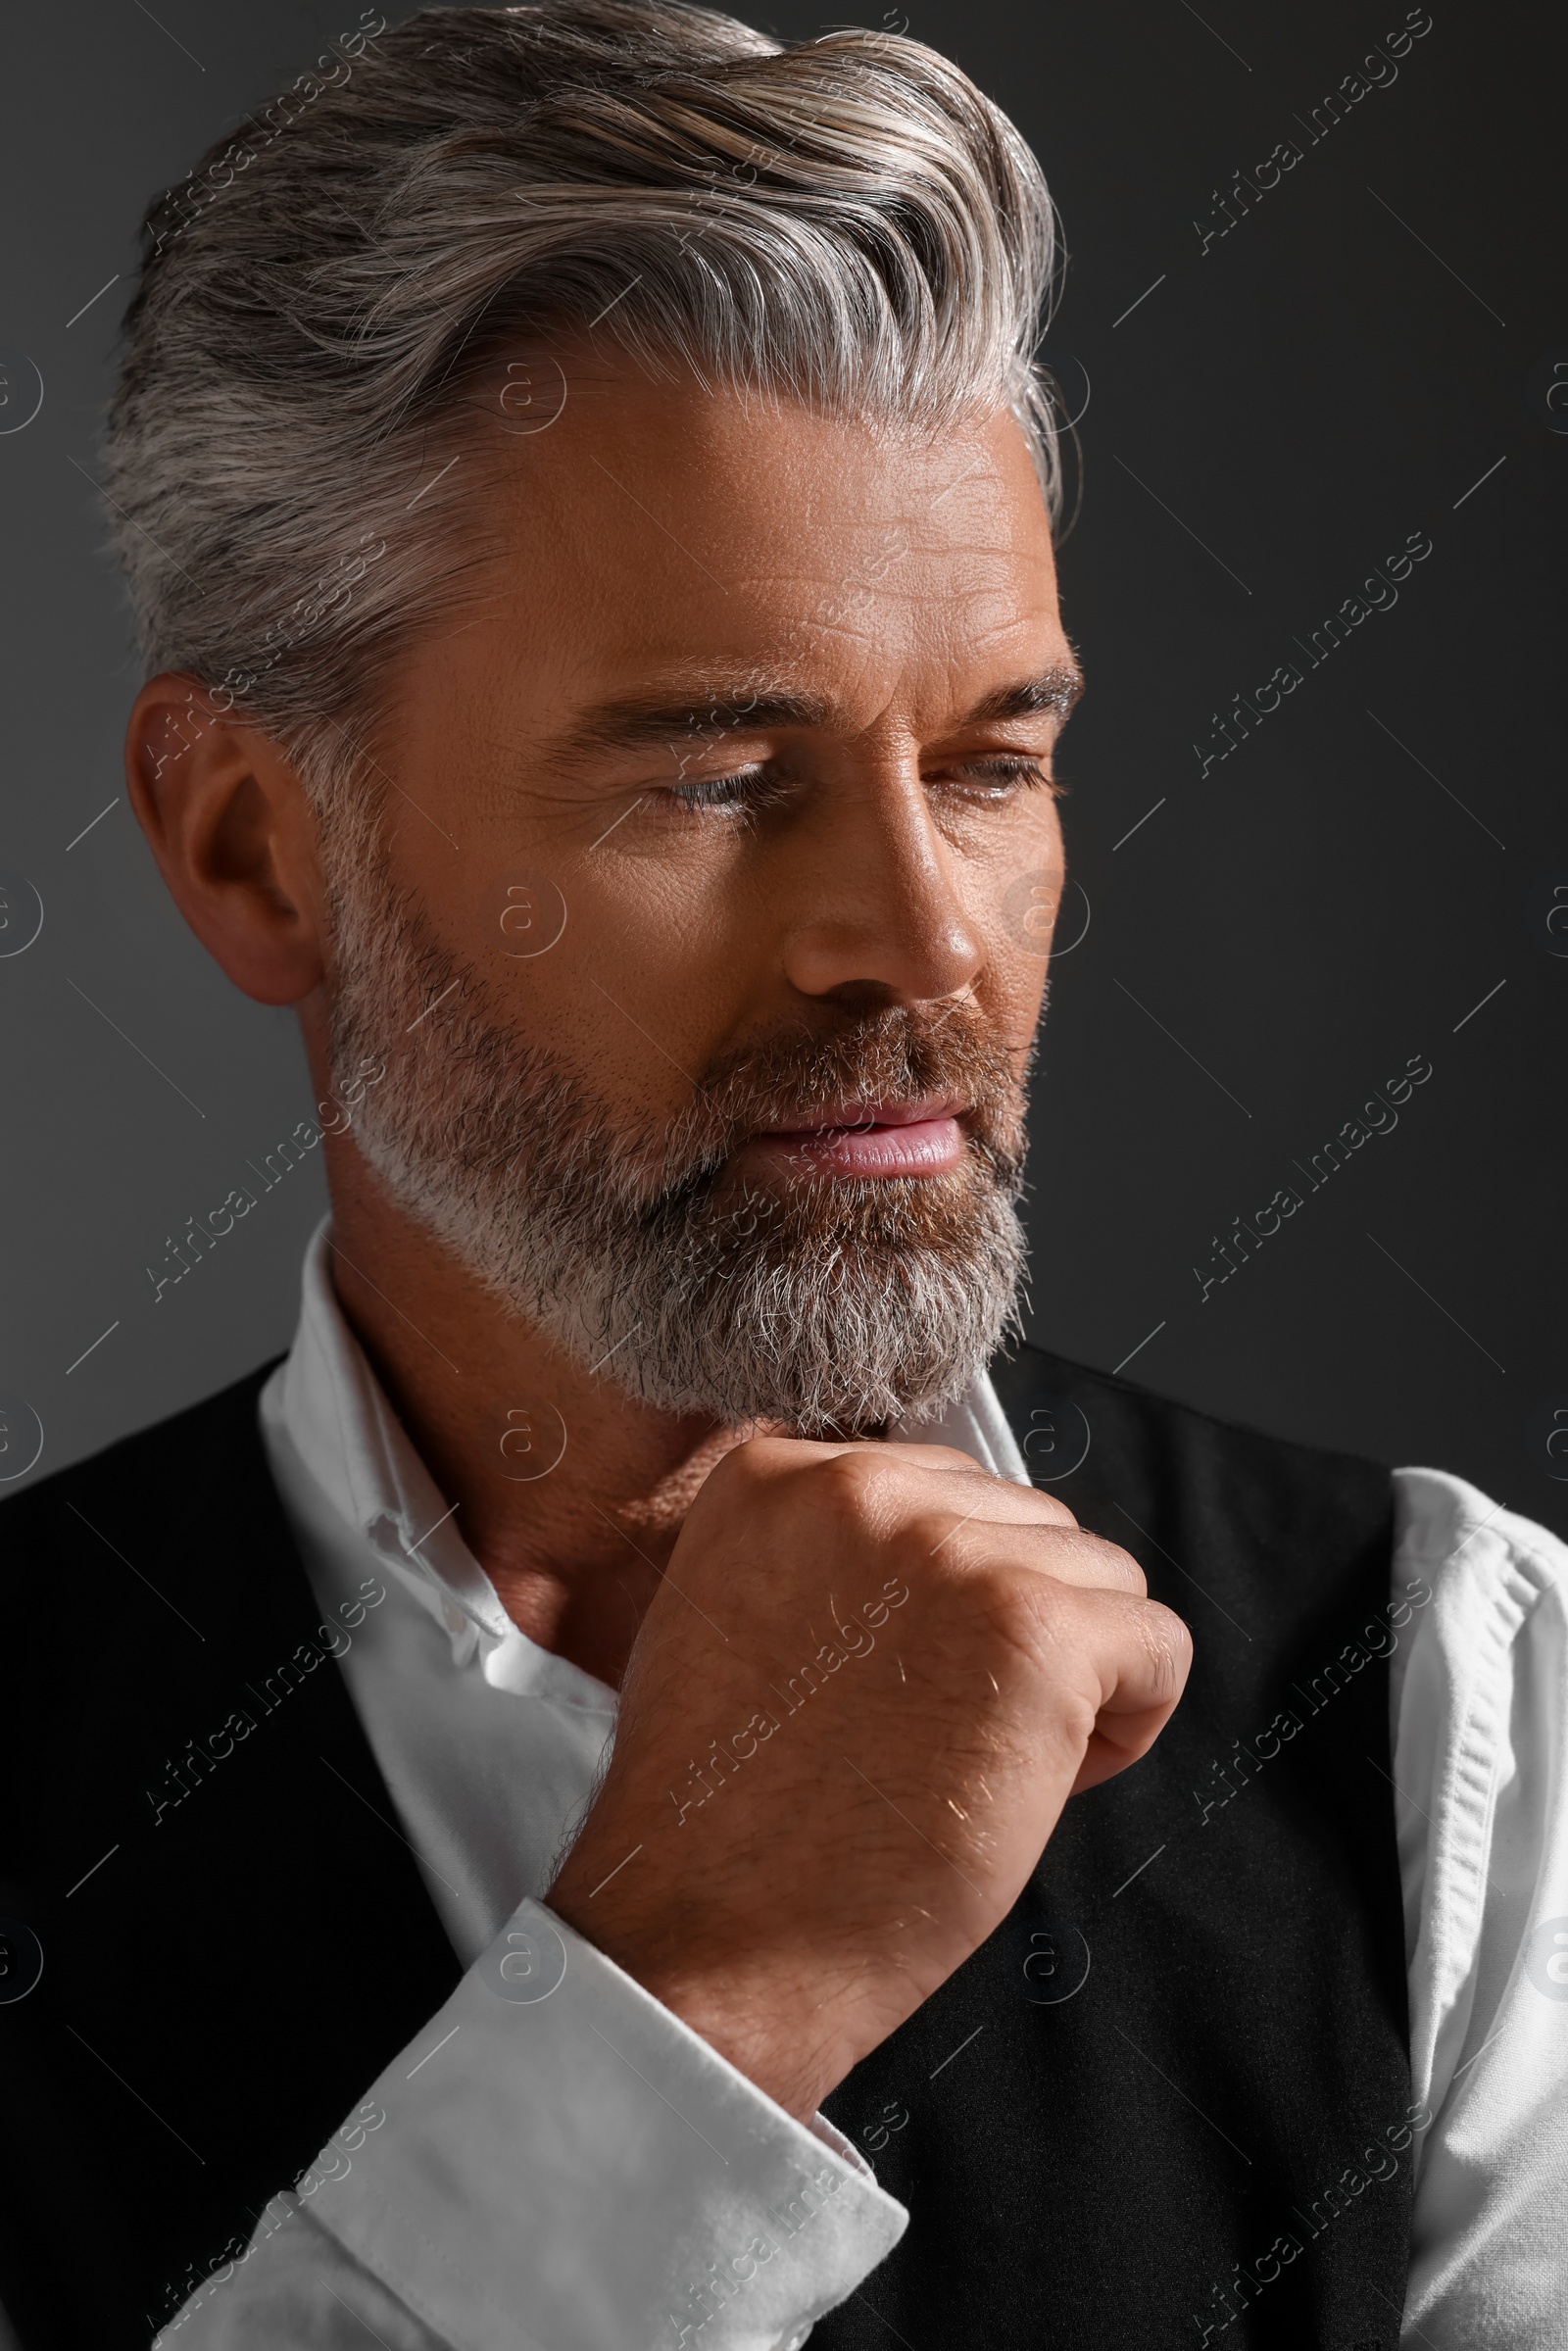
(1164, 2104)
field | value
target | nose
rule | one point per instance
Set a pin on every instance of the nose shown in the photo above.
(880, 915)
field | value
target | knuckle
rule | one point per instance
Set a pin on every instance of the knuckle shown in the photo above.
(848, 1477)
(1119, 1563)
(1165, 1641)
(1080, 1557)
(1054, 1512)
(847, 1488)
(935, 1531)
(755, 1457)
(733, 1484)
(1021, 1609)
(1076, 1715)
(1165, 1623)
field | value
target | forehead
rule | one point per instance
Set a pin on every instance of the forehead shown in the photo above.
(656, 528)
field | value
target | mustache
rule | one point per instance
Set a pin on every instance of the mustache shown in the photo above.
(548, 1115)
(903, 1054)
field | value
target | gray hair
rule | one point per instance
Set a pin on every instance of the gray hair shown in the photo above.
(846, 222)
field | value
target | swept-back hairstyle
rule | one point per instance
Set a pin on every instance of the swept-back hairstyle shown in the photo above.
(846, 222)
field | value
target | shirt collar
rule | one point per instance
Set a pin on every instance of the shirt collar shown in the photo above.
(340, 1421)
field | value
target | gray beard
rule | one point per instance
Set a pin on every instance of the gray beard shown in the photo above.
(830, 1308)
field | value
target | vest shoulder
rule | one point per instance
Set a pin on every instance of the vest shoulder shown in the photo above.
(1031, 1373)
(123, 1538)
(1100, 1442)
(201, 1439)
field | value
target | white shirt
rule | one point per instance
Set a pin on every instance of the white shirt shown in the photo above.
(556, 2162)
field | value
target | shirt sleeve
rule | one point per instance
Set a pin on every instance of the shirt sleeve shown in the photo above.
(1481, 1766)
(557, 2163)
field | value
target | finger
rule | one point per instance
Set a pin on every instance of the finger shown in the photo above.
(782, 1456)
(895, 1451)
(1142, 1651)
(974, 1491)
(1067, 1553)
(1002, 1501)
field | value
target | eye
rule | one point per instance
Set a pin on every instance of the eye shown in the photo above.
(999, 776)
(750, 792)
(745, 793)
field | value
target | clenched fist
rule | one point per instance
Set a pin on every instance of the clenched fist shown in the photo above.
(872, 1678)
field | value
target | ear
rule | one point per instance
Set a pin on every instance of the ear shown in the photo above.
(228, 821)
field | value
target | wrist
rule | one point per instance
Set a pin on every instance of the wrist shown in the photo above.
(762, 2026)
(769, 2018)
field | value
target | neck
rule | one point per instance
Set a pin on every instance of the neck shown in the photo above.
(569, 1494)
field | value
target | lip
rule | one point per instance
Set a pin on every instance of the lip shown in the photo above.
(871, 1139)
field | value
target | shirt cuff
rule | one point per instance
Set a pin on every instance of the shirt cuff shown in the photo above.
(566, 2164)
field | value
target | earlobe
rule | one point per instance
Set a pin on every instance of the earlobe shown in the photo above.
(228, 823)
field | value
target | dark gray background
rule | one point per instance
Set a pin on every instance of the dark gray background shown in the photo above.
(1269, 421)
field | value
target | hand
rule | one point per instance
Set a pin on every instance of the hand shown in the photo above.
(871, 1679)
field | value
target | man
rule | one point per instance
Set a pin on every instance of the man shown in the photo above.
(587, 501)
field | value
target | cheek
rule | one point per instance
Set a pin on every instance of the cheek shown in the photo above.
(1016, 891)
(1012, 991)
(640, 988)
(1024, 909)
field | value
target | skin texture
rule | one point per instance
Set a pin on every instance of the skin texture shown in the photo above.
(670, 543)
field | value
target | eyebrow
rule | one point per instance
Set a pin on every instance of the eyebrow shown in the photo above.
(1056, 690)
(633, 721)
